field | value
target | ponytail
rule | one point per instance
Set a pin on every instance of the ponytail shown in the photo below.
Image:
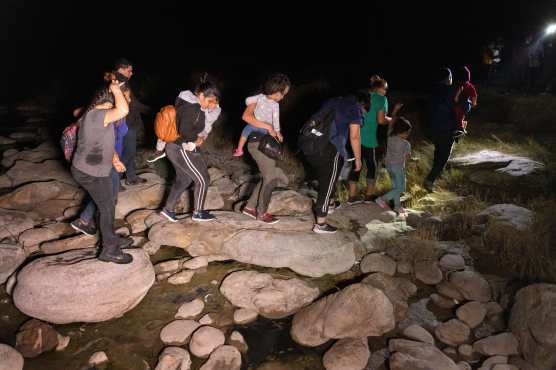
(377, 82)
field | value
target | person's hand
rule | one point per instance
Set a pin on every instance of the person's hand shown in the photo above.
(119, 166)
(272, 132)
(358, 165)
(189, 146)
(200, 140)
(279, 137)
(114, 87)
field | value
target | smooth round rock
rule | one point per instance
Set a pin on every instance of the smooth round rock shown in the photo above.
(205, 340)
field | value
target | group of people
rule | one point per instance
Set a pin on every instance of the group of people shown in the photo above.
(351, 136)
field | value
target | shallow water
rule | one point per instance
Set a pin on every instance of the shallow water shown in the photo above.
(132, 341)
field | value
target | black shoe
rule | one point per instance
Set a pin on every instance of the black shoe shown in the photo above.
(202, 216)
(429, 186)
(169, 215)
(355, 200)
(138, 181)
(369, 199)
(115, 255)
(324, 229)
(84, 228)
(125, 242)
(156, 156)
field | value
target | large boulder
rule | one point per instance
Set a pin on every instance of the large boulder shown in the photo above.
(67, 244)
(511, 215)
(410, 355)
(269, 297)
(398, 290)
(471, 285)
(508, 164)
(44, 200)
(13, 223)
(504, 344)
(174, 358)
(533, 322)
(289, 243)
(144, 196)
(223, 358)
(370, 314)
(10, 358)
(290, 203)
(347, 354)
(47, 150)
(24, 172)
(76, 287)
(11, 257)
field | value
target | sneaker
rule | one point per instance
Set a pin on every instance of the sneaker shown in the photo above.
(381, 203)
(237, 152)
(137, 181)
(429, 186)
(458, 133)
(82, 227)
(169, 215)
(250, 212)
(368, 199)
(324, 229)
(202, 216)
(115, 256)
(267, 218)
(156, 156)
(333, 206)
(355, 200)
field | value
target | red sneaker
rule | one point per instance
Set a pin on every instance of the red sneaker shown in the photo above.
(250, 212)
(267, 218)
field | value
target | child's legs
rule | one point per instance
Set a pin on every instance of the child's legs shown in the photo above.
(397, 178)
(369, 155)
(242, 141)
(160, 145)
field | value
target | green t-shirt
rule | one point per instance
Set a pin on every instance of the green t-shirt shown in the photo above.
(370, 125)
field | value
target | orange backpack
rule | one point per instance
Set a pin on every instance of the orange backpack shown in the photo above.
(165, 124)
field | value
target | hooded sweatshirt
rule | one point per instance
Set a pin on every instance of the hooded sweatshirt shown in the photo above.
(210, 115)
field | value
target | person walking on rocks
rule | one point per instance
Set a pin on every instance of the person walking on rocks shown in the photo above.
(441, 125)
(93, 161)
(341, 119)
(124, 68)
(185, 154)
(86, 222)
(398, 152)
(261, 115)
(377, 115)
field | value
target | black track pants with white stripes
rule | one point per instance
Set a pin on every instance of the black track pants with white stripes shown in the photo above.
(190, 167)
(326, 168)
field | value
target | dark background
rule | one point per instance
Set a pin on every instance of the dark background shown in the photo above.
(61, 48)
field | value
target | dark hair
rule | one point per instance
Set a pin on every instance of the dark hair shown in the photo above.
(100, 96)
(122, 63)
(401, 125)
(462, 75)
(378, 82)
(207, 87)
(277, 82)
(362, 97)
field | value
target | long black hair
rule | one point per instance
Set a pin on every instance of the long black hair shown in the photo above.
(103, 95)
(207, 87)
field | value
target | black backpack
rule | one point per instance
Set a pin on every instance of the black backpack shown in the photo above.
(314, 135)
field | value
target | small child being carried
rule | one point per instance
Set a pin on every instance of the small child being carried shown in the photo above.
(267, 110)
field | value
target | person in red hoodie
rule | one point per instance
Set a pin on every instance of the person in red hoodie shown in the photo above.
(465, 99)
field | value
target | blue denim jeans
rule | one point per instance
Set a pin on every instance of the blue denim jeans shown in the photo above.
(397, 178)
(88, 214)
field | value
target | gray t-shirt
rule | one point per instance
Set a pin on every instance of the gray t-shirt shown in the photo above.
(95, 145)
(267, 110)
(397, 151)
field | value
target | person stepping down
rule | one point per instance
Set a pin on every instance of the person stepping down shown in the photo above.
(262, 116)
(184, 152)
(323, 142)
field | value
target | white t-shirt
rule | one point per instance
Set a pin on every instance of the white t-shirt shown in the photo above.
(267, 110)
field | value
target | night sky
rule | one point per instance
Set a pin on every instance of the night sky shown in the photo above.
(67, 44)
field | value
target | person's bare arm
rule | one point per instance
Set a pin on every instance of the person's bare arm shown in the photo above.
(77, 112)
(355, 140)
(474, 101)
(117, 163)
(249, 117)
(383, 119)
(121, 108)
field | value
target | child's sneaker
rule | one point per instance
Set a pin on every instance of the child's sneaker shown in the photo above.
(324, 229)
(381, 203)
(237, 152)
(159, 154)
(267, 218)
(355, 200)
(83, 227)
(169, 215)
(202, 216)
(250, 212)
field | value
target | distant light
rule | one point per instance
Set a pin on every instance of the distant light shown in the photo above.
(551, 29)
